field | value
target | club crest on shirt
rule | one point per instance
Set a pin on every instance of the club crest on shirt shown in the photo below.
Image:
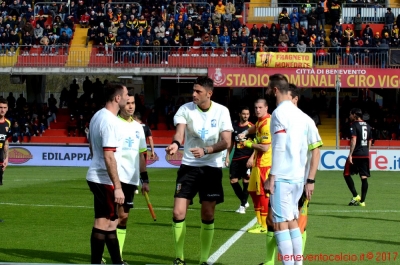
(6, 128)
(213, 123)
(137, 134)
(178, 188)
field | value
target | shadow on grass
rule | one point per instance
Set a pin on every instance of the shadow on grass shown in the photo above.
(48, 256)
(326, 203)
(75, 258)
(152, 224)
(357, 217)
(387, 242)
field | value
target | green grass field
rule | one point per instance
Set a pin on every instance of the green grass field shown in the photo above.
(48, 216)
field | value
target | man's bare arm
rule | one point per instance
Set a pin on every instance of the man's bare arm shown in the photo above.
(5, 150)
(221, 145)
(111, 165)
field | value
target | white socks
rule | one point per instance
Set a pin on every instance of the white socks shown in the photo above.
(289, 246)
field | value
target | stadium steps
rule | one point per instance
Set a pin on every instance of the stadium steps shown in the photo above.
(58, 133)
(78, 53)
(327, 130)
(7, 61)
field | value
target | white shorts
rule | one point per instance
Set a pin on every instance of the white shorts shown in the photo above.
(284, 201)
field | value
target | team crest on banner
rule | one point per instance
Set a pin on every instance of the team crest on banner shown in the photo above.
(219, 77)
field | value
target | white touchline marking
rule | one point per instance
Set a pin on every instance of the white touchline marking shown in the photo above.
(217, 254)
(354, 211)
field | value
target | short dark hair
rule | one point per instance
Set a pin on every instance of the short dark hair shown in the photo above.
(137, 115)
(294, 91)
(357, 112)
(130, 93)
(112, 89)
(205, 82)
(261, 100)
(3, 101)
(242, 108)
(280, 82)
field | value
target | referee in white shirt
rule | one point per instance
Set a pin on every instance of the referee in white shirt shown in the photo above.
(205, 127)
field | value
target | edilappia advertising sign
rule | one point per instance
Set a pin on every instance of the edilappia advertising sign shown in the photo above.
(79, 156)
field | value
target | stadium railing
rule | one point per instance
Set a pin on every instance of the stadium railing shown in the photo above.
(44, 6)
(370, 13)
(196, 57)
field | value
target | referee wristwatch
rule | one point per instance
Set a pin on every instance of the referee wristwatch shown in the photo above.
(310, 181)
(205, 150)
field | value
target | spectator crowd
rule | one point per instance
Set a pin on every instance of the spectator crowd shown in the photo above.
(149, 31)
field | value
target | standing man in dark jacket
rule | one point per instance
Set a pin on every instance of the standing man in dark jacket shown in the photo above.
(389, 19)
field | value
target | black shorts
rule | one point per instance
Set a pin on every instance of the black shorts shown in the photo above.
(104, 205)
(129, 193)
(360, 166)
(207, 181)
(238, 169)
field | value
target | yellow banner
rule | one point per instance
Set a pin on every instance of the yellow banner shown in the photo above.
(284, 60)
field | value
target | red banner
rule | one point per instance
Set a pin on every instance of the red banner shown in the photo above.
(322, 78)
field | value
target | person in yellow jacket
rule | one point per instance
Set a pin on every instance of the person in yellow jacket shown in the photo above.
(220, 8)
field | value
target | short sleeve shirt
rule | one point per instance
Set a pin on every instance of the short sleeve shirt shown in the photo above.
(203, 129)
(133, 143)
(104, 134)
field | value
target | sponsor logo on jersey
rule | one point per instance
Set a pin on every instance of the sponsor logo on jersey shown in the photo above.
(19, 155)
(175, 159)
(129, 141)
(202, 133)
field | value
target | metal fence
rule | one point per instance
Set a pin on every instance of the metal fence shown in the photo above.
(369, 13)
(201, 56)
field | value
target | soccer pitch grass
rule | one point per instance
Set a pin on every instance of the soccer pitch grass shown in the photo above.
(48, 217)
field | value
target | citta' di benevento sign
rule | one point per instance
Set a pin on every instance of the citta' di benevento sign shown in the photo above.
(302, 77)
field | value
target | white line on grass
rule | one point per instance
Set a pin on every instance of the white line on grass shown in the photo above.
(355, 211)
(217, 254)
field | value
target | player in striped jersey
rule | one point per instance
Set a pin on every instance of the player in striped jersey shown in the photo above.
(261, 164)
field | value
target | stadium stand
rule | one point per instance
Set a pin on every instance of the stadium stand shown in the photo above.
(217, 34)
